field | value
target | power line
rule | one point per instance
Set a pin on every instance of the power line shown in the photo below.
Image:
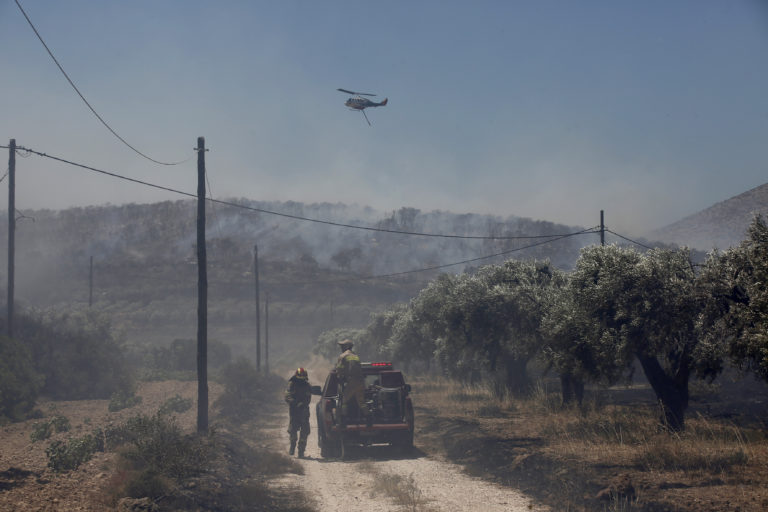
(551, 238)
(295, 217)
(629, 239)
(437, 267)
(83, 97)
(382, 276)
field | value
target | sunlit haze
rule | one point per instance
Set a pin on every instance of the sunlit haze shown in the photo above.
(552, 110)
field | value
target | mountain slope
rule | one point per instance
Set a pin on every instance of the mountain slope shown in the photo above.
(722, 225)
(318, 276)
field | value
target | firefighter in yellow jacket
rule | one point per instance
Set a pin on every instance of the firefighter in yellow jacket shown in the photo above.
(350, 375)
(298, 395)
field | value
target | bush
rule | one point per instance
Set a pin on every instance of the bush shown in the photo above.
(122, 400)
(43, 430)
(156, 443)
(245, 390)
(147, 483)
(19, 382)
(79, 355)
(181, 356)
(175, 404)
(66, 456)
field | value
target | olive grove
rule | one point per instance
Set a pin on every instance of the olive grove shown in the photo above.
(618, 309)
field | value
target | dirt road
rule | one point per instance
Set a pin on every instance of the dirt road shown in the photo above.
(377, 479)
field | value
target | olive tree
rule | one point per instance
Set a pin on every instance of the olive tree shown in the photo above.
(488, 322)
(644, 307)
(518, 296)
(327, 343)
(411, 343)
(375, 337)
(736, 318)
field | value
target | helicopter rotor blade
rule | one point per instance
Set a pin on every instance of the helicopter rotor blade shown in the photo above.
(355, 93)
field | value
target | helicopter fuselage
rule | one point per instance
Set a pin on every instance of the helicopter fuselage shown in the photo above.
(358, 103)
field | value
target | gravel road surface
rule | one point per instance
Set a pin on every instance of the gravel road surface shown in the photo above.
(427, 484)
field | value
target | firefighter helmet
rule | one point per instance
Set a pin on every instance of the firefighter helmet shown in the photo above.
(302, 374)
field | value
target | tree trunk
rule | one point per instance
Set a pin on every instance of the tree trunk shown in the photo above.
(572, 387)
(516, 375)
(671, 391)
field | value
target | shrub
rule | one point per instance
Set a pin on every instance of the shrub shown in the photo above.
(66, 456)
(175, 404)
(181, 356)
(122, 400)
(147, 483)
(242, 384)
(158, 374)
(80, 355)
(19, 381)
(40, 431)
(156, 443)
(43, 430)
(245, 390)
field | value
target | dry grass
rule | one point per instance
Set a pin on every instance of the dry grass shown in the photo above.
(622, 436)
(402, 490)
(470, 400)
(601, 441)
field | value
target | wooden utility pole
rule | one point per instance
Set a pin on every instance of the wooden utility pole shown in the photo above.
(602, 228)
(90, 284)
(11, 230)
(258, 306)
(202, 296)
(266, 334)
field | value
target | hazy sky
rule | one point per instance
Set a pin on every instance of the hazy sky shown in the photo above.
(649, 110)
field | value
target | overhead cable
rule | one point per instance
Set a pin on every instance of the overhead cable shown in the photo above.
(437, 267)
(405, 272)
(629, 239)
(83, 97)
(295, 217)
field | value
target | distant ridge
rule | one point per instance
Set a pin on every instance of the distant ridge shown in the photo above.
(722, 225)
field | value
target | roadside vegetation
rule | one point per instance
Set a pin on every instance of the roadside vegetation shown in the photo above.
(500, 331)
(611, 454)
(62, 356)
(157, 464)
(619, 310)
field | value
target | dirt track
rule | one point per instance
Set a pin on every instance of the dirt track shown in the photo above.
(354, 484)
(332, 485)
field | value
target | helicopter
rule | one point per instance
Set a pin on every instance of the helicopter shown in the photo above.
(357, 102)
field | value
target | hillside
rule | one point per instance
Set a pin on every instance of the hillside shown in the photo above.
(145, 263)
(722, 225)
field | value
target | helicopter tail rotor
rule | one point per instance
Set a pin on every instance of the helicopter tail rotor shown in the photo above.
(383, 102)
